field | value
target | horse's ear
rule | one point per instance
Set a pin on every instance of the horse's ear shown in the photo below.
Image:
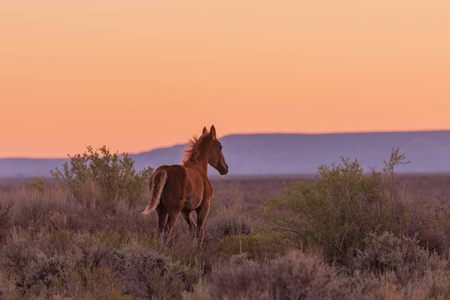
(213, 132)
(204, 130)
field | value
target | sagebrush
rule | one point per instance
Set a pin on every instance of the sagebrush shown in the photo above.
(344, 206)
(99, 176)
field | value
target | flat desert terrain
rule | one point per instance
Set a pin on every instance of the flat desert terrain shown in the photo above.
(256, 188)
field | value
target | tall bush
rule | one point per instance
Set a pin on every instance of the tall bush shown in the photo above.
(339, 210)
(99, 176)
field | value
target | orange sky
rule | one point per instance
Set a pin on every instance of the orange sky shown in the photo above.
(135, 75)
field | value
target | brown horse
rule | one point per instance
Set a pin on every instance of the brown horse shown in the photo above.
(184, 188)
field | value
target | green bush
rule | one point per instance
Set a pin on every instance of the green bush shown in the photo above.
(99, 176)
(338, 211)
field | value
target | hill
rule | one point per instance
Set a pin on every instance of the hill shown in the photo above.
(247, 154)
(428, 151)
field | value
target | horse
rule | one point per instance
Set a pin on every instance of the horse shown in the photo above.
(185, 188)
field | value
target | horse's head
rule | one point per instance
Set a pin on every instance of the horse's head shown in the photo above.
(216, 158)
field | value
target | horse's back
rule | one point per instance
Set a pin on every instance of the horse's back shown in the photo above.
(174, 192)
(173, 170)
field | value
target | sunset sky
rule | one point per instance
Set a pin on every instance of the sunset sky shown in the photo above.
(136, 75)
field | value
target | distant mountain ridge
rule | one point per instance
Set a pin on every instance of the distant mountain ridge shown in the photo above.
(260, 154)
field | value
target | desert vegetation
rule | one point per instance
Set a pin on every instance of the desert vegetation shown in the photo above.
(347, 233)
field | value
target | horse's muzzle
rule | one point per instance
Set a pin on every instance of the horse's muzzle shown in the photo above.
(223, 170)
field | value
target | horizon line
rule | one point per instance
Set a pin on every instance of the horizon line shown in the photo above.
(248, 133)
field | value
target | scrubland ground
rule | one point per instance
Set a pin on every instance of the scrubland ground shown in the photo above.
(254, 188)
(343, 234)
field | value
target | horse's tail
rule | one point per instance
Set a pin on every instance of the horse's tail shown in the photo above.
(157, 183)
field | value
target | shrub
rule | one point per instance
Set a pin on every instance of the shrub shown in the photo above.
(90, 251)
(432, 284)
(98, 176)
(431, 224)
(306, 276)
(5, 216)
(54, 209)
(38, 184)
(95, 282)
(50, 272)
(35, 213)
(16, 255)
(339, 210)
(110, 294)
(403, 256)
(56, 261)
(150, 275)
(228, 219)
(201, 292)
(251, 245)
(8, 288)
(294, 276)
(32, 269)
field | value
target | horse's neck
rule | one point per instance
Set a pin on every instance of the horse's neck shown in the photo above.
(200, 161)
(200, 165)
(204, 166)
(203, 158)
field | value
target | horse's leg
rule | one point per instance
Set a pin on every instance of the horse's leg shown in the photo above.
(202, 214)
(192, 227)
(162, 221)
(172, 219)
(188, 218)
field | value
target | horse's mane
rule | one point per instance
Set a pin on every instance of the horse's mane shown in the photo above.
(191, 152)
